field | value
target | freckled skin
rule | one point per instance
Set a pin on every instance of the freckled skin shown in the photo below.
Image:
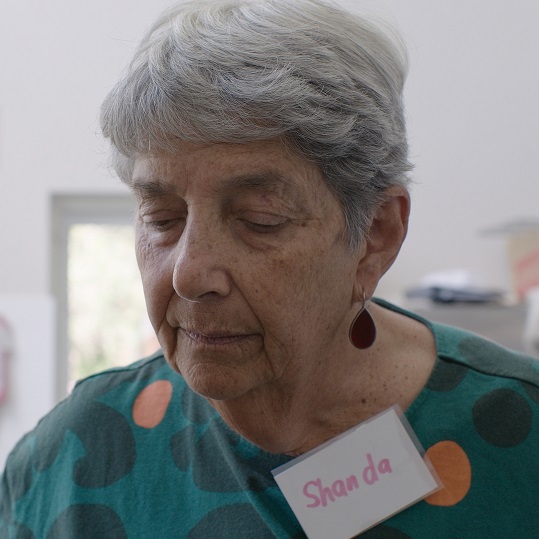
(282, 289)
(249, 282)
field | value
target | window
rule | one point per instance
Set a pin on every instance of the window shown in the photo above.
(101, 314)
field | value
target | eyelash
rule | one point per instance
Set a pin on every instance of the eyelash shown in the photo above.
(162, 225)
(263, 228)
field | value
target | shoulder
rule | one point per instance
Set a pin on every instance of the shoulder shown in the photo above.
(459, 349)
(90, 435)
(485, 356)
(112, 398)
(108, 401)
(115, 387)
(136, 373)
(125, 435)
(482, 396)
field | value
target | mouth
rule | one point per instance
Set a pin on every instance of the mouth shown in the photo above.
(216, 339)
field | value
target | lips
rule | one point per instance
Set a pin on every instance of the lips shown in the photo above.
(216, 338)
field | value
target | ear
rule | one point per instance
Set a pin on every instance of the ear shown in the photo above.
(383, 241)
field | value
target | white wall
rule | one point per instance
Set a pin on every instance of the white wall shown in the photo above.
(473, 124)
(27, 348)
(58, 60)
(474, 130)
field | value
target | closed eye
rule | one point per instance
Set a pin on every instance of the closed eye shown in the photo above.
(162, 221)
(164, 224)
(263, 223)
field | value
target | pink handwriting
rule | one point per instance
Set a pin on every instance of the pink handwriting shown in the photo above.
(321, 495)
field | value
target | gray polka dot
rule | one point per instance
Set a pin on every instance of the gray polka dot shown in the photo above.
(503, 418)
(447, 376)
(196, 408)
(190, 452)
(240, 521)
(106, 435)
(178, 443)
(87, 522)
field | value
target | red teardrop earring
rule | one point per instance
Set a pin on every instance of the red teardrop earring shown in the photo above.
(363, 330)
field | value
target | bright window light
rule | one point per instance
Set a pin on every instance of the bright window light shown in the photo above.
(107, 321)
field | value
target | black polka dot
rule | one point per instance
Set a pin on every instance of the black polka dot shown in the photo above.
(107, 438)
(50, 435)
(196, 408)
(447, 376)
(489, 357)
(503, 418)
(179, 444)
(88, 522)
(240, 521)
(384, 532)
(109, 445)
(221, 475)
(104, 432)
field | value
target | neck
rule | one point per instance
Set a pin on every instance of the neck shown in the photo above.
(350, 388)
(291, 422)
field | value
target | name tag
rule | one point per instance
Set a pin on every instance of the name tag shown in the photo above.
(358, 479)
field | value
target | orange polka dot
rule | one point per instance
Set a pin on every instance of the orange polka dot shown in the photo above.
(453, 467)
(151, 404)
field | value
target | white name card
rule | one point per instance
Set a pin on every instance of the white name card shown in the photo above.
(357, 480)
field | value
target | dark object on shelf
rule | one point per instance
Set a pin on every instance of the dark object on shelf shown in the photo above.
(442, 294)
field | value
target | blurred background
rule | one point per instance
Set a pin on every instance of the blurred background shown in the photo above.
(70, 298)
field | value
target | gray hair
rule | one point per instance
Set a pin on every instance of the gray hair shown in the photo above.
(327, 82)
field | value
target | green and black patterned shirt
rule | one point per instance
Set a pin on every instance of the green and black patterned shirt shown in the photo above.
(134, 453)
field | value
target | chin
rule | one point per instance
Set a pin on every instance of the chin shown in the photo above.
(217, 382)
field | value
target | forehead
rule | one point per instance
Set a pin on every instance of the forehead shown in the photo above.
(261, 165)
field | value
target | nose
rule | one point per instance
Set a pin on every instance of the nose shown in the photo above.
(200, 262)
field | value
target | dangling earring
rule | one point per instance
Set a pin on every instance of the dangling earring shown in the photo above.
(363, 331)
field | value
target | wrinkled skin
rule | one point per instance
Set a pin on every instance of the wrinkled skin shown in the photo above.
(249, 281)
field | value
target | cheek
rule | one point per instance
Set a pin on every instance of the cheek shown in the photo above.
(303, 293)
(156, 274)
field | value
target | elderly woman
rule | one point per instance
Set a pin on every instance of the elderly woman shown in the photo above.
(264, 142)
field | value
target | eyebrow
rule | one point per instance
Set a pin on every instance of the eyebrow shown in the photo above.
(149, 189)
(269, 179)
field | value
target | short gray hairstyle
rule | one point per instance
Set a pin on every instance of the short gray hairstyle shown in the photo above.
(329, 83)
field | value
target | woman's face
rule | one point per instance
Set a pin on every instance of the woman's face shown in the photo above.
(248, 279)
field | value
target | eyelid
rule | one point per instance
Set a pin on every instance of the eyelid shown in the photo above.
(263, 223)
(264, 219)
(161, 220)
(159, 214)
